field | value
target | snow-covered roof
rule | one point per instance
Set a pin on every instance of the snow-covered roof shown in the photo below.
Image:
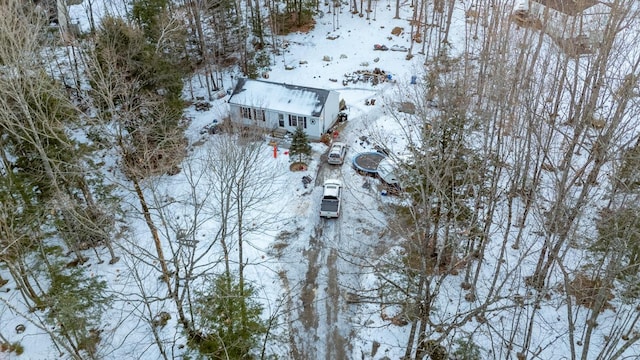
(569, 7)
(337, 147)
(291, 99)
(388, 168)
(332, 188)
(387, 171)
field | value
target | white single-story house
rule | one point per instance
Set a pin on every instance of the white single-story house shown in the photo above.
(583, 21)
(276, 106)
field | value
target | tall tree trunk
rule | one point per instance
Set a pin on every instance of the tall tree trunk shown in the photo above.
(166, 276)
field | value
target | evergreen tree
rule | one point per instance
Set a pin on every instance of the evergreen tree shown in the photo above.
(75, 303)
(467, 350)
(140, 88)
(300, 145)
(228, 319)
(147, 14)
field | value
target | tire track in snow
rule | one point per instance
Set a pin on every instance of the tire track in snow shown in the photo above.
(336, 344)
(320, 336)
(309, 317)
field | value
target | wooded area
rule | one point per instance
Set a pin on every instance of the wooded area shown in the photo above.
(531, 152)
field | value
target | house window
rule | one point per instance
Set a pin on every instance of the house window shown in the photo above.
(259, 114)
(298, 121)
(281, 120)
(245, 112)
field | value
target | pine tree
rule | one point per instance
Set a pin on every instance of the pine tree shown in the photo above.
(75, 302)
(300, 145)
(228, 319)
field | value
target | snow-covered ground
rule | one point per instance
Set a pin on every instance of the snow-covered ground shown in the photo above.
(306, 277)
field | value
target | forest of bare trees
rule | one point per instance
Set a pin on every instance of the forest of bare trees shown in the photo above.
(522, 189)
(546, 179)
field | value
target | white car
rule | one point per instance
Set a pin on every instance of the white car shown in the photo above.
(337, 153)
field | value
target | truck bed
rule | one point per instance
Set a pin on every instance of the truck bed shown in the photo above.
(330, 204)
(329, 208)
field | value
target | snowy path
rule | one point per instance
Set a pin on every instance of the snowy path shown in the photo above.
(325, 266)
(324, 330)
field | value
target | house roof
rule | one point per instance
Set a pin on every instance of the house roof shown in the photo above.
(569, 7)
(284, 98)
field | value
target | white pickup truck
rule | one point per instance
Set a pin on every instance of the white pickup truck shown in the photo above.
(330, 205)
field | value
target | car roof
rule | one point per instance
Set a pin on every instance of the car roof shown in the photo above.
(333, 182)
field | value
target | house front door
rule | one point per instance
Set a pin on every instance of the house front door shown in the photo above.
(281, 120)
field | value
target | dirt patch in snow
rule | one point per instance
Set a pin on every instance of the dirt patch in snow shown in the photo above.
(337, 345)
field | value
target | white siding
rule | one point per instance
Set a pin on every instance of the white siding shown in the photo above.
(295, 105)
